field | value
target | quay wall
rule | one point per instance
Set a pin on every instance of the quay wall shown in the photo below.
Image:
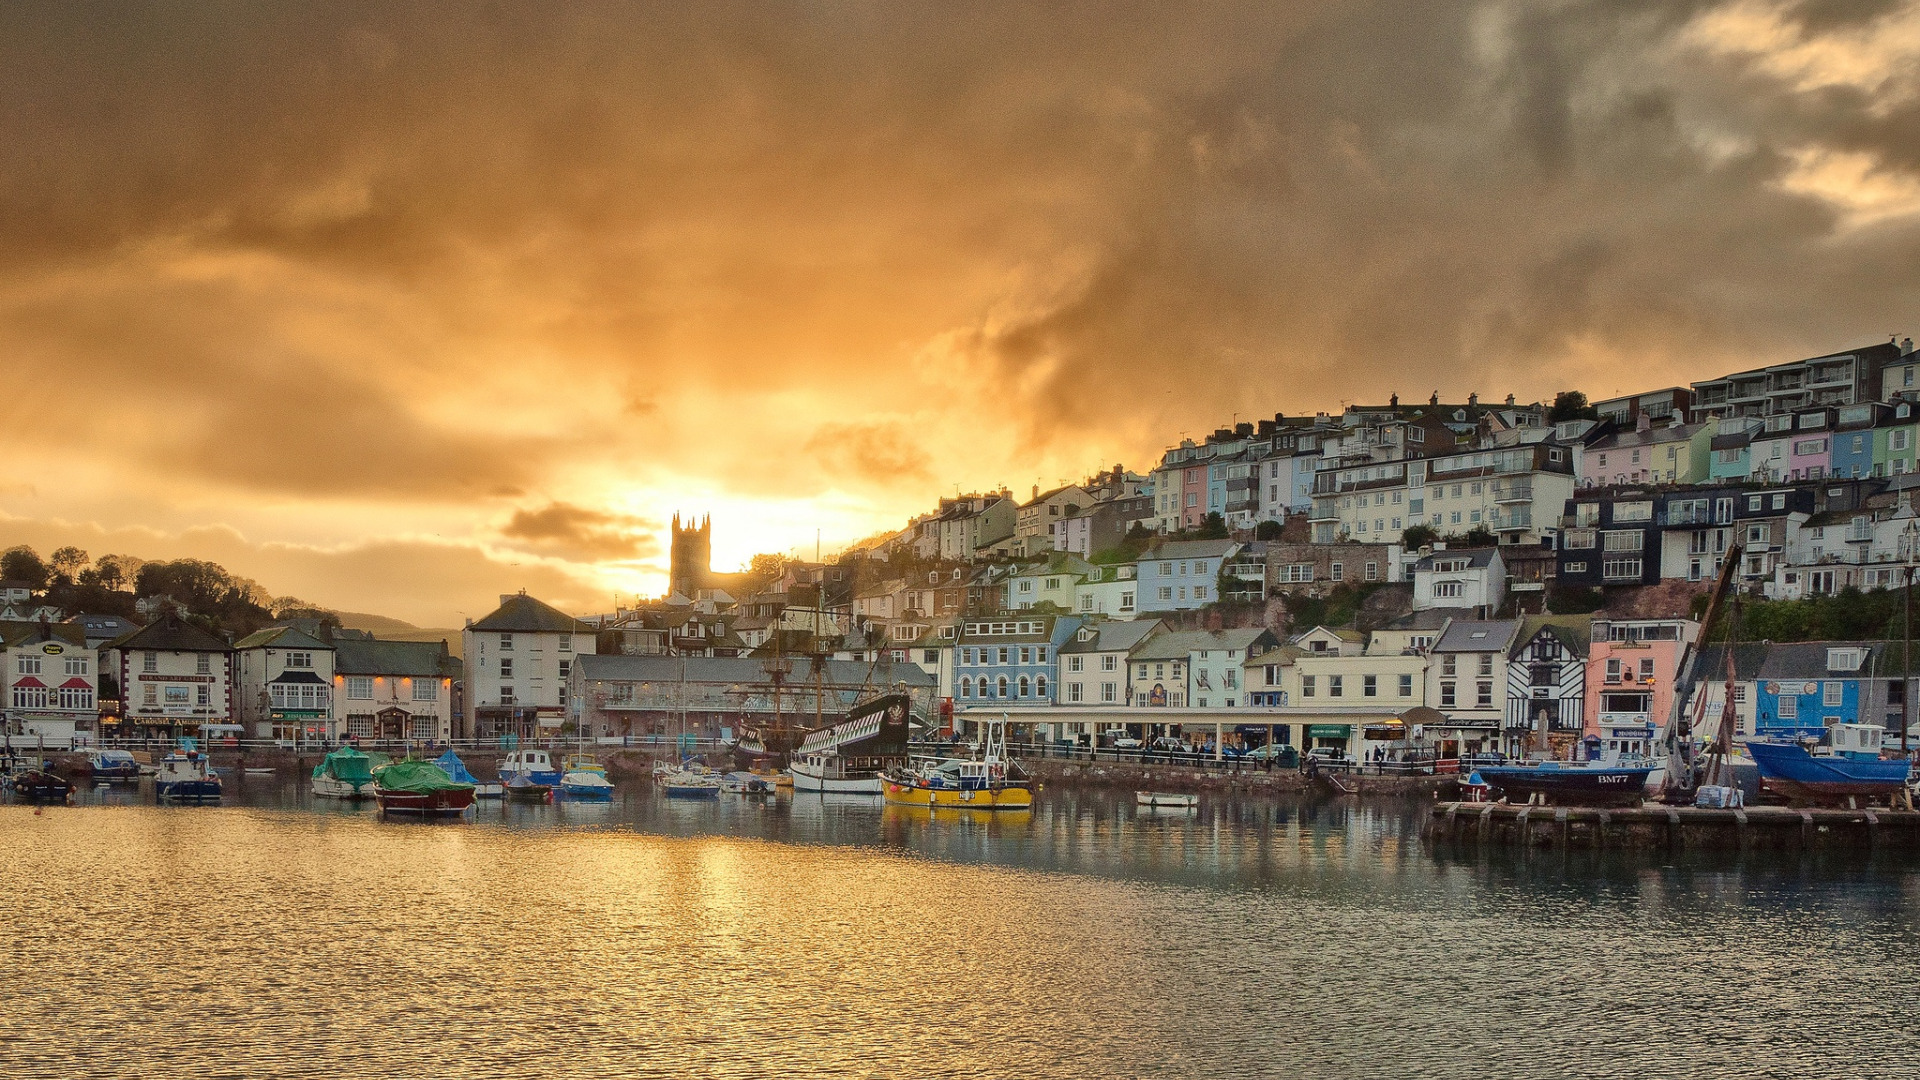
(1669, 829)
(1135, 776)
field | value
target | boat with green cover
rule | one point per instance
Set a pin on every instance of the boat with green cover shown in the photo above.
(344, 774)
(420, 787)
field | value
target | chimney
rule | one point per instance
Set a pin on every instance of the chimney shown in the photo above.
(1435, 399)
(1906, 347)
(1642, 422)
(1393, 401)
(1473, 399)
(1036, 491)
(1509, 401)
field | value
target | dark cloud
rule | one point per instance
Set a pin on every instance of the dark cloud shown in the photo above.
(429, 254)
(579, 533)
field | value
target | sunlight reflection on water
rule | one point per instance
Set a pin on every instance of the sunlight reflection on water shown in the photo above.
(652, 938)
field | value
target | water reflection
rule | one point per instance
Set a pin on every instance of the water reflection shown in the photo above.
(291, 936)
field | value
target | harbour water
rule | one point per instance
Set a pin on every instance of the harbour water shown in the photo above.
(274, 936)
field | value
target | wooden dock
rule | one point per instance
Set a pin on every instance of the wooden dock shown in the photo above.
(1667, 828)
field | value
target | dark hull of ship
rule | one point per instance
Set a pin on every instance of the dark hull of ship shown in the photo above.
(1569, 786)
(766, 748)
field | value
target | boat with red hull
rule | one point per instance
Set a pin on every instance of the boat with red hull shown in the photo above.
(420, 787)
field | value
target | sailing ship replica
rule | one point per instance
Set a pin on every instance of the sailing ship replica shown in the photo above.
(852, 756)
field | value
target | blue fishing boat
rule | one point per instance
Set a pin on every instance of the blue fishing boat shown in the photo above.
(1844, 764)
(186, 777)
(114, 766)
(451, 764)
(535, 765)
(585, 778)
(1569, 783)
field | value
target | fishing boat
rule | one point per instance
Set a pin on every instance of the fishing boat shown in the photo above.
(114, 766)
(1844, 766)
(186, 777)
(520, 788)
(990, 782)
(746, 783)
(420, 787)
(585, 778)
(38, 786)
(344, 774)
(1570, 783)
(1165, 800)
(451, 764)
(687, 784)
(536, 765)
(852, 756)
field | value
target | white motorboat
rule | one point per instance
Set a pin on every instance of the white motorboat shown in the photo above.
(1162, 800)
(687, 784)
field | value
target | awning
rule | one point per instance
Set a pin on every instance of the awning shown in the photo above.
(297, 677)
(31, 681)
(1329, 731)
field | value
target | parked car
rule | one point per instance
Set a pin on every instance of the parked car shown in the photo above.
(1278, 753)
(1327, 755)
(1124, 742)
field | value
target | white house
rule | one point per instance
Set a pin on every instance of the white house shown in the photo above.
(399, 689)
(1470, 578)
(518, 659)
(1467, 682)
(1093, 666)
(1109, 590)
(1195, 669)
(283, 686)
(52, 681)
(174, 678)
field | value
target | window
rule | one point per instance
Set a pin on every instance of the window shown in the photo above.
(299, 659)
(1486, 663)
(1073, 693)
(203, 664)
(506, 667)
(1789, 707)
(1109, 691)
(1023, 686)
(1040, 686)
(29, 665)
(1448, 663)
(1373, 571)
(1646, 669)
(76, 665)
(1026, 655)
(1448, 589)
(1199, 592)
(506, 641)
(1076, 663)
(29, 697)
(76, 697)
(1306, 685)
(1623, 540)
(152, 695)
(1338, 571)
(930, 656)
(1369, 686)
(1406, 686)
(360, 688)
(1296, 572)
(566, 668)
(1336, 685)
(1231, 679)
(1831, 692)
(1108, 663)
(203, 696)
(1001, 685)
(1446, 695)
(966, 686)
(1484, 696)
(1576, 568)
(1166, 592)
(150, 662)
(1621, 569)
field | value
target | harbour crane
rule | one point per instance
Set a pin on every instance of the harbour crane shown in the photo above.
(1682, 776)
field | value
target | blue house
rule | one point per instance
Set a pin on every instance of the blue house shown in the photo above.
(1009, 659)
(1804, 688)
(1182, 575)
(1853, 443)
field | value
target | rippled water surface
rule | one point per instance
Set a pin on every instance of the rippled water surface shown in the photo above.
(274, 937)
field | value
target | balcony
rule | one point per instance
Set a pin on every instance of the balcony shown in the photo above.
(1860, 533)
(1329, 511)
(1517, 521)
(1249, 502)
(1513, 493)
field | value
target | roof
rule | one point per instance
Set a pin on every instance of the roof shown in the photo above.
(744, 670)
(1476, 557)
(1424, 619)
(112, 626)
(282, 637)
(1574, 631)
(170, 633)
(1477, 635)
(403, 658)
(1659, 433)
(1191, 549)
(1808, 659)
(1177, 644)
(1732, 442)
(296, 675)
(523, 614)
(16, 583)
(1113, 636)
(1747, 660)
(26, 633)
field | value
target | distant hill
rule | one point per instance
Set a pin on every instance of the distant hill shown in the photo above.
(379, 624)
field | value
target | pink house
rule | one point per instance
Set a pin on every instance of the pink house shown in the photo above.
(1631, 668)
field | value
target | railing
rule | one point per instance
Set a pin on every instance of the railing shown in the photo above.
(500, 743)
(1201, 758)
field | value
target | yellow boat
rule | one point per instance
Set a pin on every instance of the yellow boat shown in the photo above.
(984, 784)
(907, 790)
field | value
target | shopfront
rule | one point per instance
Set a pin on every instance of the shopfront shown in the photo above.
(1329, 736)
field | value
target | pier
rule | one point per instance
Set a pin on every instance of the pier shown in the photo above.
(1669, 828)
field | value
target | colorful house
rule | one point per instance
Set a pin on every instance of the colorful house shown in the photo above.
(1804, 688)
(1631, 668)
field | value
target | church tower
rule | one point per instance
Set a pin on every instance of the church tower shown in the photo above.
(690, 556)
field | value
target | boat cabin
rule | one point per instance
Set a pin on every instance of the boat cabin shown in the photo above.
(1856, 740)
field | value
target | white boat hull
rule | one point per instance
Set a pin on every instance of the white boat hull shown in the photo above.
(1164, 800)
(328, 787)
(806, 778)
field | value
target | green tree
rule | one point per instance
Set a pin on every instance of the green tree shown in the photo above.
(1212, 527)
(22, 563)
(67, 563)
(1268, 530)
(1571, 405)
(1418, 537)
(1478, 536)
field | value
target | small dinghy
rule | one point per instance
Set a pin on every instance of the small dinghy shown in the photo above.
(1162, 800)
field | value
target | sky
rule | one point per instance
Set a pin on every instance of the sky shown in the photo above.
(398, 307)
